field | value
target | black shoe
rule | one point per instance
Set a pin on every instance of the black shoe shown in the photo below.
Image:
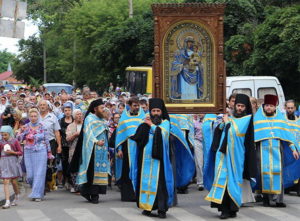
(224, 215)
(148, 213)
(232, 214)
(298, 188)
(266, 202)
(87, 197)
(95, 199)
(282, 205)
(182, 191)
(200, 188)
(258, 198)
(162, 214)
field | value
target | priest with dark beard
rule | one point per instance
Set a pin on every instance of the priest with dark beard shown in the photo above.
(90, 159)
(125, 161)
(155, 182)
(235, 158)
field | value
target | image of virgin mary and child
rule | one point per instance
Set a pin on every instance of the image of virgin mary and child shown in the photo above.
(187, 72)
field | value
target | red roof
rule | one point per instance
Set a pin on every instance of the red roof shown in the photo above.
(5, 75)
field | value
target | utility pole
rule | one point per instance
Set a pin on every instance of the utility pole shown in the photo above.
(130, 4)
(44, 62)
(74, 59)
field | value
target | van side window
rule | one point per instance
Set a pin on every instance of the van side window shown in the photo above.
(246, 91)
(261, 92)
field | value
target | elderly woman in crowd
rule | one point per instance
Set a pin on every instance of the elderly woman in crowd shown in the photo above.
(21, 108)
(36, 151)
(3, 104)
(17, 118)
(73, 131)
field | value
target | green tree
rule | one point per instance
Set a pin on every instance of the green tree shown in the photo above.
(277, 46)
(238, 49)
(99, 40)
(29, 63)
(5, 58)
(92, 41)
(238, 13)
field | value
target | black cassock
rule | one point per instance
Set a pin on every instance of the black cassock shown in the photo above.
(125, 183)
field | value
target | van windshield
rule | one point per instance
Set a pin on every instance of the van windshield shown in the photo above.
(57, 89)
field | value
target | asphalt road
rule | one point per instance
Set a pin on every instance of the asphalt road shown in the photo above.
(64, 206)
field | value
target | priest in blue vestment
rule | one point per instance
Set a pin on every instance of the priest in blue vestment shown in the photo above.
(208, 155)
(186, 125)
(182, 159)
(274, 142)
(155, 180)
(294, 122)
(90, 159)
(234, 160)
(126, 164)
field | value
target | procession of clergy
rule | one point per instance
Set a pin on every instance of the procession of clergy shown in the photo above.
(244, 155)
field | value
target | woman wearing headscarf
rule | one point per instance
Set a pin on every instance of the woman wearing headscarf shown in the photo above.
(10, 169)
(3, 104)
(21, 108)
(17, 118)
(36, 151)
(73, 131)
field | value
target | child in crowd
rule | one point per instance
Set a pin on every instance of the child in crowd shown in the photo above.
(10, 169)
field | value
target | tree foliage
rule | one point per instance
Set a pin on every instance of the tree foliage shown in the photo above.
(276, 48)
(262, 37)
(29, 62)
(92, 41)
(5, 58)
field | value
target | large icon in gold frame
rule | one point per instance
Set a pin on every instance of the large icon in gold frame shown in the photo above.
(189, 67)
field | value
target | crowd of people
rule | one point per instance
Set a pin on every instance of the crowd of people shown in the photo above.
(85, 143)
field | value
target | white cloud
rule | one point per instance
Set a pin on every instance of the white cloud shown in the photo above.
(11, 44)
